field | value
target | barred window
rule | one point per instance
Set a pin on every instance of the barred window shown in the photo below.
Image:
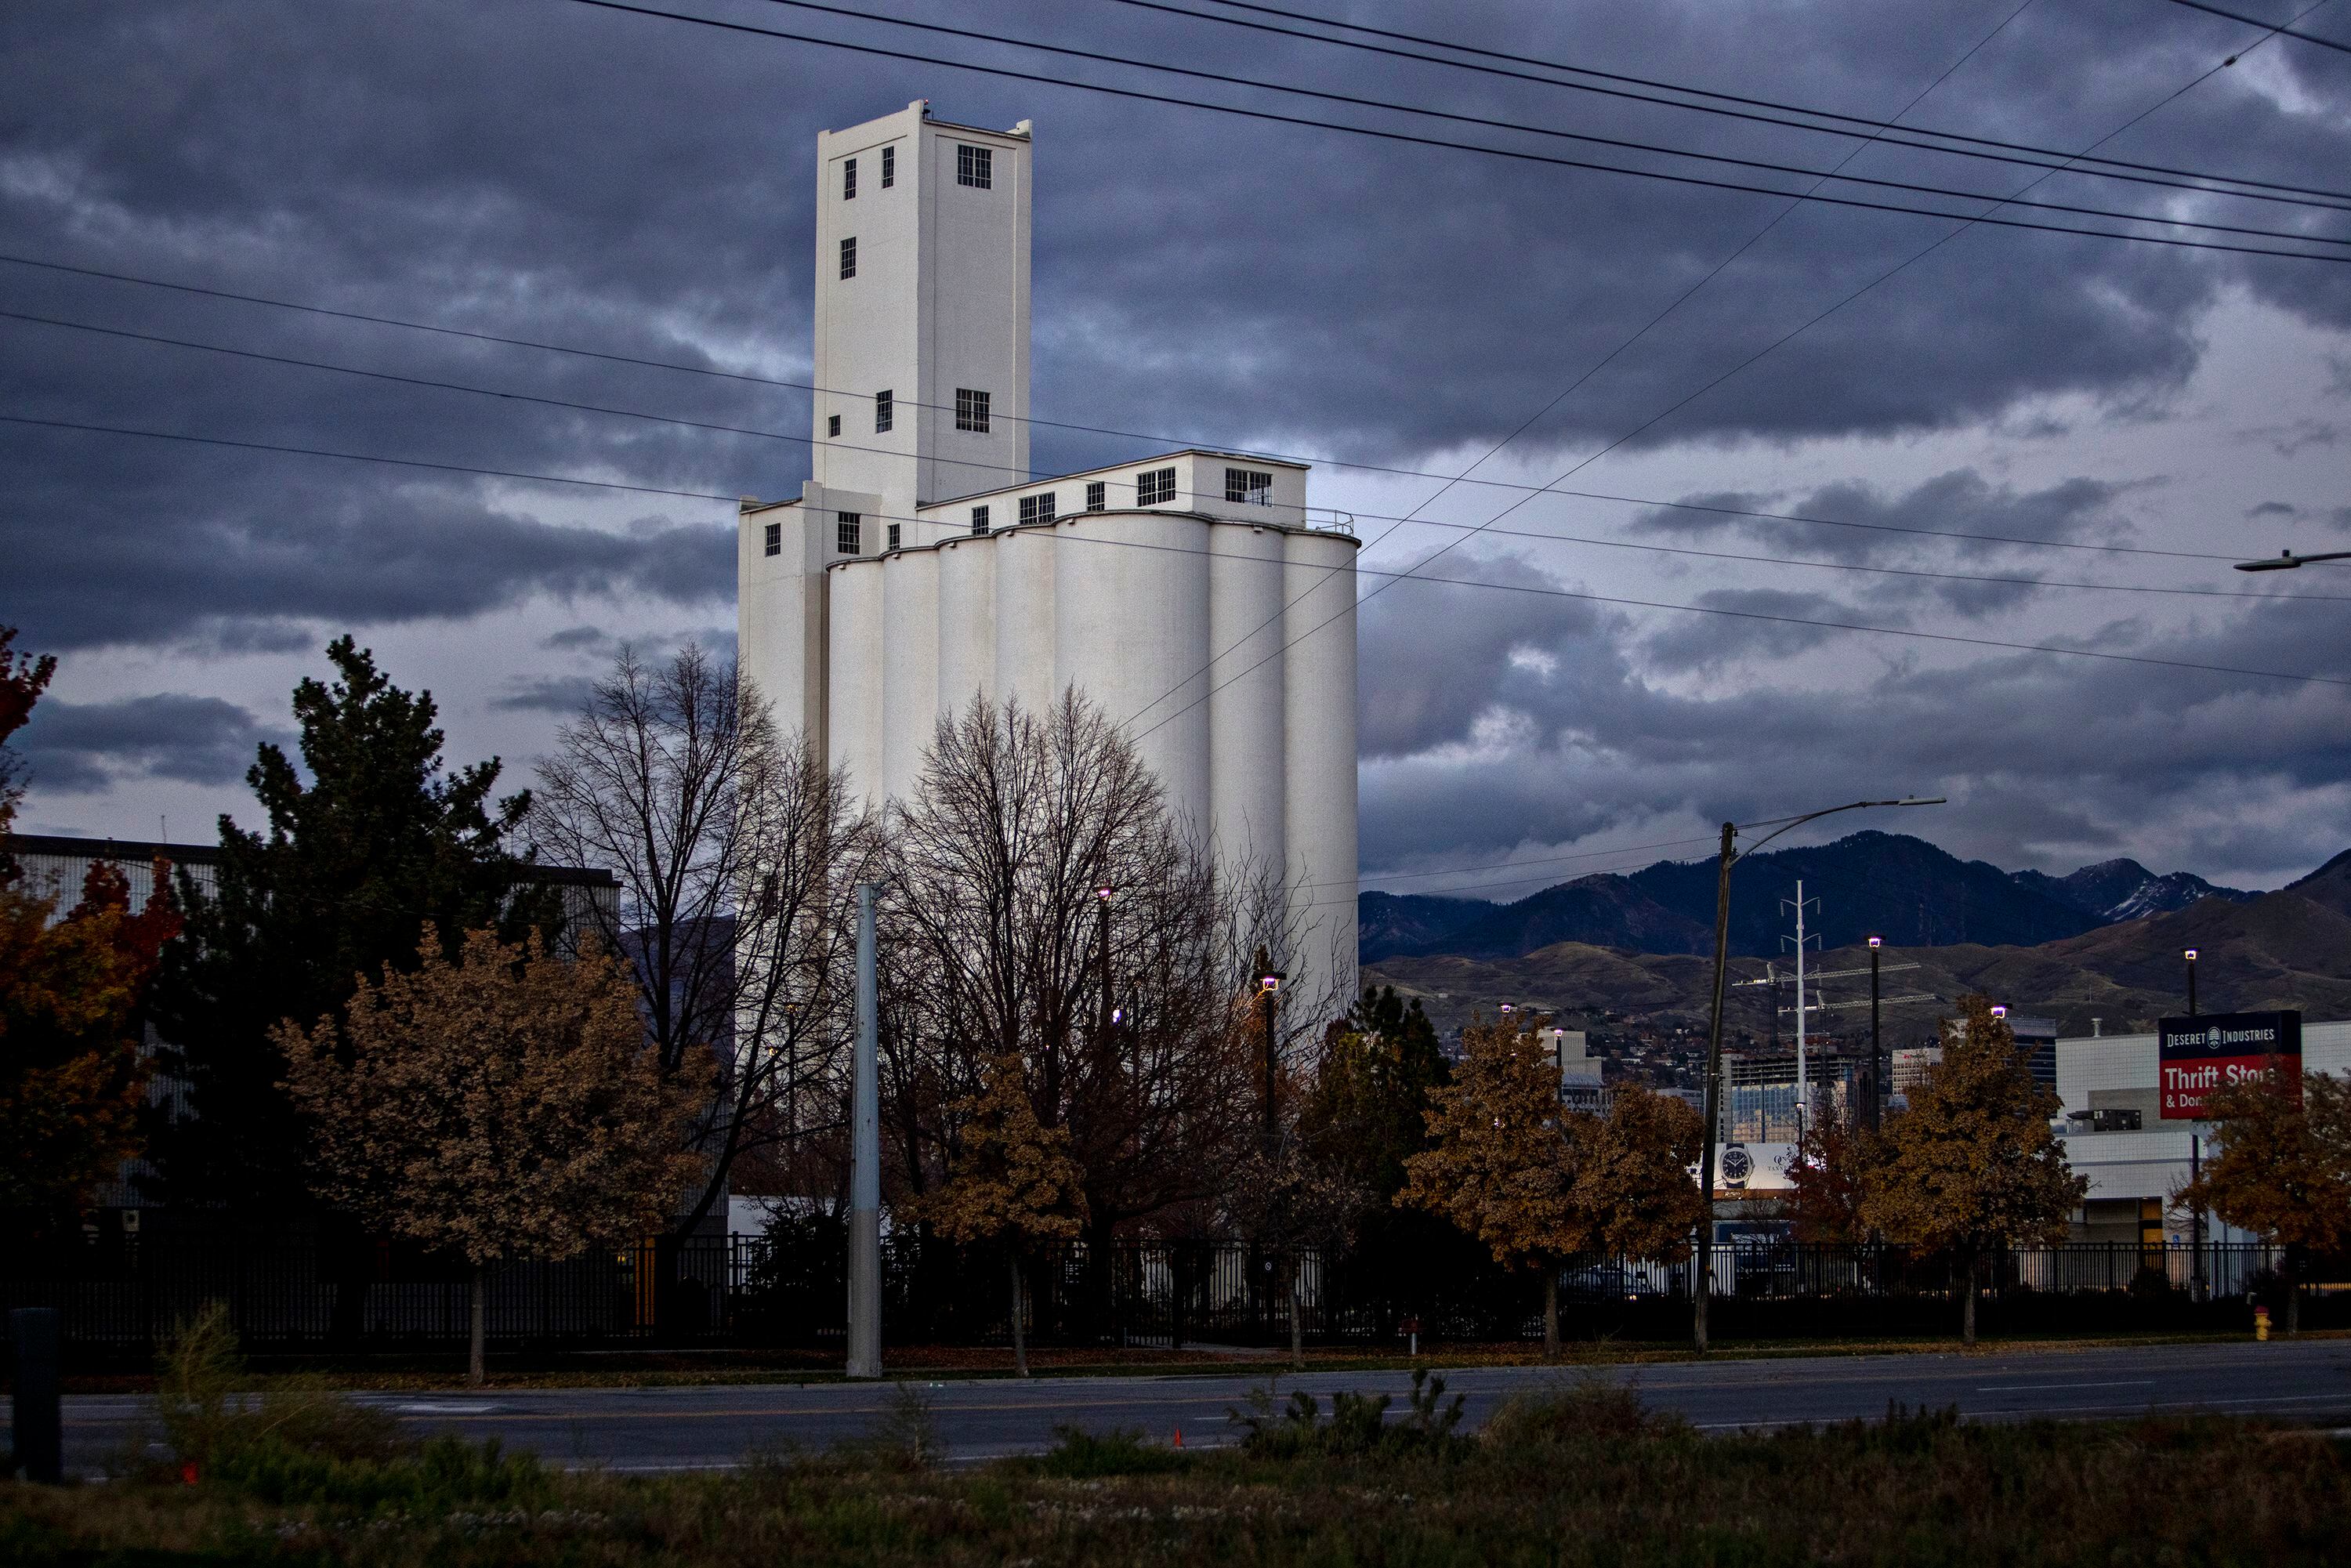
(971, 410)
(883, 411)
(889, 167)
(1097, 495)
(849, 179)
(849, 257)
(1154, 485)
(833, 425)
(894, 535)
(847, 529)
(775, 539)
(1037, 508)
(980, 519)
(1248, 485)
(975, 166)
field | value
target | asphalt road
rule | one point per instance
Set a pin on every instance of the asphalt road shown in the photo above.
(652, 1430)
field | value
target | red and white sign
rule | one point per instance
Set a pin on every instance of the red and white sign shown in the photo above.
(2194, 1056)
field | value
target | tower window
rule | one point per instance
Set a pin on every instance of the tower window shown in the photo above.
(978, 520)
(1154, 485)
(1037, 508)
(889, 167)
(894, 535)
(975, 166)
(849, 179)
(849, 257)
(847, 529)
(833, 425)
(775, 539)
(883, 411)
(1096, 495)
(971, 410)
(1249, 486)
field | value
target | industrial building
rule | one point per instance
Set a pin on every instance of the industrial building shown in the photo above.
(1193, 596)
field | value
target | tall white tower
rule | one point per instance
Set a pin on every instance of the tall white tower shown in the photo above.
(1192, 595)
(922, 310)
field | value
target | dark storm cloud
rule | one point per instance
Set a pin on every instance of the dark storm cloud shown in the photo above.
(533, 170)
(79, 747)
(564, 694)
(1879, 525)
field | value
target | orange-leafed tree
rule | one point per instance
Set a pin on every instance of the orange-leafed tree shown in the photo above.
(2282, 1169)
(1010, 1179)
(73, 995)
(502, 1106)
(1828, 1172)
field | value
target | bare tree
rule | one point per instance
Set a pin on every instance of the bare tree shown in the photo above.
(737, 851)
(1045, 907)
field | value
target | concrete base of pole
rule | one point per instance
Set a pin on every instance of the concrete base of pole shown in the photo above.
(864, 1294)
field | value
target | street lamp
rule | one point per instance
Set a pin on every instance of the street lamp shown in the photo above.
(2191, 956)
(1702, 1283)
(2000, 1009)
(1876, 1079)
(1268, 986)
(2286, 561)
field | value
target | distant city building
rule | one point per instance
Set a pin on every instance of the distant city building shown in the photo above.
(1191, 595)
(2115, 1135)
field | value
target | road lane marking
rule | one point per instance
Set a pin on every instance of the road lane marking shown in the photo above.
(2040, 1387)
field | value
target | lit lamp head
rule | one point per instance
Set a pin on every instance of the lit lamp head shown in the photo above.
(1105, 892)
(1270, 981)
(2000, 1009)
(1507, 1008)
(1875, 943)
(2191, 954)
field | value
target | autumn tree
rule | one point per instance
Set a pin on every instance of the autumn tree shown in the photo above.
(1635, 1173)
(737, 852)
(1128, 1012)
(73, 991)
(1829, 1171)
(23, 679)
(367, 838)
(1010, 1180)
(503, 1105)
(2282, 1169)
(1971, 1164)
(73, 1079)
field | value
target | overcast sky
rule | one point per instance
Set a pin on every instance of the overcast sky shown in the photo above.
(542, 170)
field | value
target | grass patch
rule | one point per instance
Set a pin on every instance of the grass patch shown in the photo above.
(1579, 1472)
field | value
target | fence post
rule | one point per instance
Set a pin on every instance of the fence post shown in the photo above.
(37, 1431)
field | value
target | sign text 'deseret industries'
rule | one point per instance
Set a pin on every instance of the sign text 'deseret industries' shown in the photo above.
(2196, 1055)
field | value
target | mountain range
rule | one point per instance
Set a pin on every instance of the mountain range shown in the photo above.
(1867, 884)
(2290, 948)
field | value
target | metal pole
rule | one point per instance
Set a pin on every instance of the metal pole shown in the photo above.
(865, 1159)
(1877, 1079)
(1804, 1088)
(2196, 1216)
(2191, 982)
(1264, 1000)
(37, 1429)
(1702, 1276)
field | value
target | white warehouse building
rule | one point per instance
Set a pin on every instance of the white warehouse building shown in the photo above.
(1191, 596)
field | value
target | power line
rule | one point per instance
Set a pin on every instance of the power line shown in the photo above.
(1803, 327)
(1170, 441)
(1993, 149)
(353, 457)
(1411, 139)
(1485, 123)
(2274, 27)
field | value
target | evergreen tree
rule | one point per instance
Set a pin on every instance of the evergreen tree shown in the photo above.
(368, 841)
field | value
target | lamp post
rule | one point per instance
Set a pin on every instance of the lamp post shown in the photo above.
(1876, 1078)
(1268, 986)
(2190, 956)
(2286, 561)
(1102, 895)
(1702, 1280)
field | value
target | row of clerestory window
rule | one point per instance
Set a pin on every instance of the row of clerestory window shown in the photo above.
(975, 170)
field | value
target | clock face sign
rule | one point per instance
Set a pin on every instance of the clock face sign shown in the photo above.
(1737, 1165)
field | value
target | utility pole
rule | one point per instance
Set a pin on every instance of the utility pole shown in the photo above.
(1702, 1276)
(865, 1158)
(1803, 1082)
(1702, 1279)
(1876, 1078)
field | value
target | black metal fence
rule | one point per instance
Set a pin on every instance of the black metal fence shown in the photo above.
(302, 1290)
